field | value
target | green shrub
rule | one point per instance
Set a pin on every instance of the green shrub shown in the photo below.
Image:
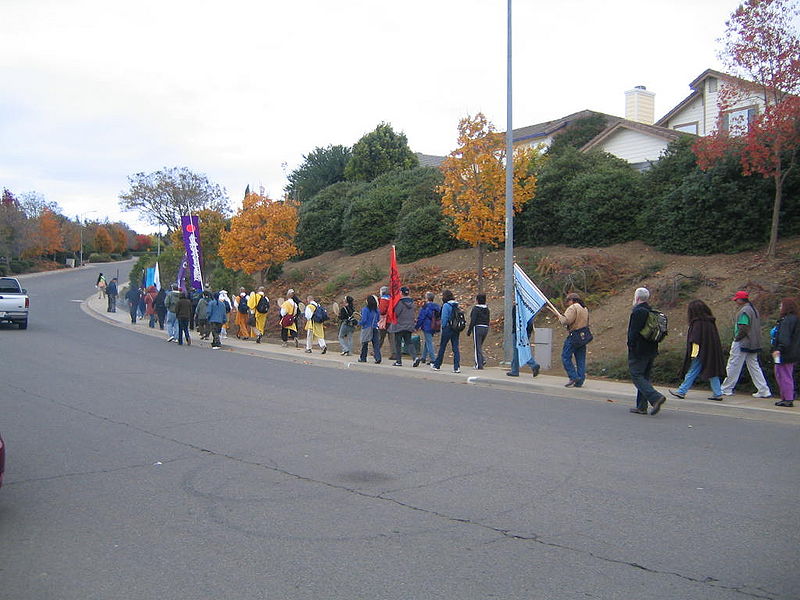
(223, 278)
(368, 274)
(422, 232)
(4, 269)
(99, 257)
(319, 227)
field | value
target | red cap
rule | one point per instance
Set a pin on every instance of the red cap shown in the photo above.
(741, 295)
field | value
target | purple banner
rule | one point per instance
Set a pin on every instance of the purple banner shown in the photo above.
(181, 281)
(191, 240)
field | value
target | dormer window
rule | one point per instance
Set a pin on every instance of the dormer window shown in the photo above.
(738, 120)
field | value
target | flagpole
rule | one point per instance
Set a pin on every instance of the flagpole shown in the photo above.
(508, 350)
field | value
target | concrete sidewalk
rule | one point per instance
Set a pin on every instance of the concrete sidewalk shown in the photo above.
(738, 405)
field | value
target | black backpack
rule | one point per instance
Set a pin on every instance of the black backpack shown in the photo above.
(458, 321)
(242, 306)
(263, 305)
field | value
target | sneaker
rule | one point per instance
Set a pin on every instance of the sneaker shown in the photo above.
(170, 339)
(677, 394)
(717, 398)
(397, 363)
(657, 406)
(416, 362)
(510, 374)
(435, 368)
(787, 403)
(570, 383)
(324, 349)
(308, 351)
(258, 339)
(536, 370)
(637, 411)
(456, 370)
(359, 360)
(760, 395)
(377, 362)
(215, 347)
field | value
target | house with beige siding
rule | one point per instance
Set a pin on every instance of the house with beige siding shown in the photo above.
(700, 112)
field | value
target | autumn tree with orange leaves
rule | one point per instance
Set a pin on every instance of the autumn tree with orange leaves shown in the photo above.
(261, 235)
(50, 240)
(762, 49)
(473, 192)
(103, 241)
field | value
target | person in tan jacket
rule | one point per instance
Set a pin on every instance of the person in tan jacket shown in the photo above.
(576, 317)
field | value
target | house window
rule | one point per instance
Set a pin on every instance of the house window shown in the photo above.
(712, 85)
(687, 127)
(738, 121)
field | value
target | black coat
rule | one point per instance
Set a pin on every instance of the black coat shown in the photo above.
(638, 347)
(788, 339)
(703, 332)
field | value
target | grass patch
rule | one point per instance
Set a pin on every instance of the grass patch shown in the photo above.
(367, 274)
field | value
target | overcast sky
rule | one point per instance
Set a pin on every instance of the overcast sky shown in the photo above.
(92, 92)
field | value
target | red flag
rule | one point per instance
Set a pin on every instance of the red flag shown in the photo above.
(394, 287)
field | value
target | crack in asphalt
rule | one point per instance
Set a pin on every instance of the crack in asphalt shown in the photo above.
(505, 533)
(98, 472)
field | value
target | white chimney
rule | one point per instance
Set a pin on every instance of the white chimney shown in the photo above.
(640, 105)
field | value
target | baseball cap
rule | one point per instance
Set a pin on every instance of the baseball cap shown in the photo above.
(741, 295)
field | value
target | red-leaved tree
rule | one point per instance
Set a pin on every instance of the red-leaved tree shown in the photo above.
(762, 52)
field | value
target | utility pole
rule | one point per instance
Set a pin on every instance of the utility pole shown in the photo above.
(509, 247)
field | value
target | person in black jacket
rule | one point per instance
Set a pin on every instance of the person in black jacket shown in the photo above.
(111, 293)
(133, 297)
(183, 312)
(478, 328)
(161, 309)
(786, 350)
(641, 355)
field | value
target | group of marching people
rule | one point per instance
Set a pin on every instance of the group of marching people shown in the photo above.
(212, 314)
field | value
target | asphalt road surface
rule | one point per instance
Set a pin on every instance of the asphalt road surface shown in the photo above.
(139, 469)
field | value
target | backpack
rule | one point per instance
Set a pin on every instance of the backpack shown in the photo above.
(320, 314)
(242, 306)
(655, 328)
(263, 305)
(436, 321)
(458, 321)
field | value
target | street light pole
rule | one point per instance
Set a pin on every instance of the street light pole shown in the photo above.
(81, 223)
(508, 263)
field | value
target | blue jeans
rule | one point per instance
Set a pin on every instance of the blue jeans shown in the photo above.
(427, 349)
(515, 361)
(640, 367)
(694, 370)
(376, 346)
(183, 330)
(576, 372)
(451, 337)
(172, 324)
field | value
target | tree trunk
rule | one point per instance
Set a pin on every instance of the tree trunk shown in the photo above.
(776, 214)
(480, 268)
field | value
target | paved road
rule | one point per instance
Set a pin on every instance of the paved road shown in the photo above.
(138, 469)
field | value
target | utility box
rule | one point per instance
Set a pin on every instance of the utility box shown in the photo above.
(71, 263)
(543, 346)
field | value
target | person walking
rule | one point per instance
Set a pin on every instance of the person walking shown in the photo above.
(405, 315)
(201, 316)
(383, 325)
(535, 366)
(242, 316)
(160, 308)
(183, 312)
(745, 348)
(786, 350)
(641, 356)
(133, 296)
(229, 313)
(429, 322)
(217, 315)
(370, 316)
(258, 300)
(289, 311)
(149, 305)
(703, 351)
(347, 325)
(170, 303)
(314, 329)
(101, 286)
(449, 333)
(575, 317)
(478, 328)
(111, 294)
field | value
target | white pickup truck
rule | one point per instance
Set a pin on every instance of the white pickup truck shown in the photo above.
(14, 302)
